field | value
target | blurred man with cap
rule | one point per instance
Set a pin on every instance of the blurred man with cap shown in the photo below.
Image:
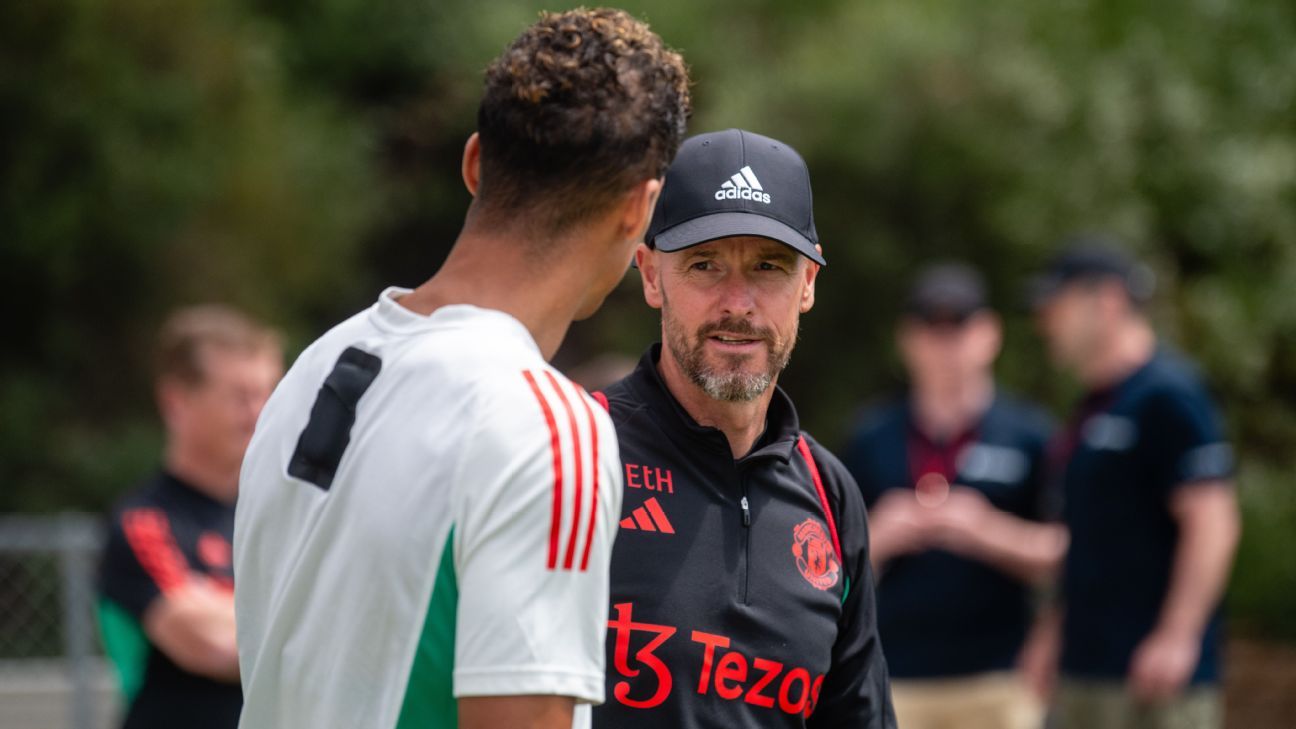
(1147, 483)
(953, 474)
(741, 586)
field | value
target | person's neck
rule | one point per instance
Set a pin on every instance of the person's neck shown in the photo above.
(741, 422)
(216, 480)
(947, 409)
(1130, 347)
(489, 271)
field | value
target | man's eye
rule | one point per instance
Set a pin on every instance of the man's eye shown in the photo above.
(701, 266)
(768, 266)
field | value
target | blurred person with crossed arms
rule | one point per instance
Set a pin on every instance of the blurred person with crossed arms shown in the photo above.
(1149, 501)
(166, 607)
(954, 475)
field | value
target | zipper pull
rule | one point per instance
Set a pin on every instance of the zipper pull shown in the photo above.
(746, 512)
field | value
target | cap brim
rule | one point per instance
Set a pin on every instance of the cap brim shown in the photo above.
(726, 225)
(943, 313)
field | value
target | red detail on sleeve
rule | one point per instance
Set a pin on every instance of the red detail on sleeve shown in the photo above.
(555, 444)
(149, 535)
(594, 460)
(804, 448)
(576, 440)
(602, 400)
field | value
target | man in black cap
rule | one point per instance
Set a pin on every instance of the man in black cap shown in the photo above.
(953, 473)
(741, 590)
(1147, 482)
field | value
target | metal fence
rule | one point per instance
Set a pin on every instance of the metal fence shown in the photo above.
(52, 671)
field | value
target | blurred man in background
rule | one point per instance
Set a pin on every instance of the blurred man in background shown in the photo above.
(428, 508)
(1149, 502)
(166, 585)
(953, 473)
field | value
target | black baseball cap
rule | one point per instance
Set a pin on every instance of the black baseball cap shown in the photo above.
(735, 182)
(946, 293)
(1091, 257)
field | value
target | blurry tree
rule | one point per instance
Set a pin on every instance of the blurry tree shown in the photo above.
(150, 154)
(294, 156)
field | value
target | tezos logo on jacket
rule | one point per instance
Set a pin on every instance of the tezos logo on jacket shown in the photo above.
(814, 554)
(743, 185)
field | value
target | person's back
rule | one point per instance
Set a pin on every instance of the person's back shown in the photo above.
(372, 549)
(428, 508)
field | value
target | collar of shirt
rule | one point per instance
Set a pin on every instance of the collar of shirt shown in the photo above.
(181, 490)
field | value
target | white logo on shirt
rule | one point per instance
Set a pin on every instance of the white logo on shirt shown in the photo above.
(1110, 433)
(985, 462)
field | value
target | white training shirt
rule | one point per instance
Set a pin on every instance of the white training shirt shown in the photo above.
(458, 547)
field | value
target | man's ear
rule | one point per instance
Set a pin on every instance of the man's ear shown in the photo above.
(169, 394)
(987, 335)
(811, 275)
(637, 209)
(650, 273)
(471, 167)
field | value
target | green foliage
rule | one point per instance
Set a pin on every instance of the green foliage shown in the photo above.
(293, 157)
(154, 154)
(1263, 594)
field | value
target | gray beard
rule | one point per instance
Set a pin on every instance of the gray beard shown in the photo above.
(724, 384)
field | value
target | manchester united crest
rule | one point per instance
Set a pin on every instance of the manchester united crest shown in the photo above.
(814, 554)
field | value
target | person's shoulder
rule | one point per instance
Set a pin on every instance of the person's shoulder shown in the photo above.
(148, 493)
(529, 398)
(876, 422)
(622, 399)
(1171, 370)
(845, 498)
(1024, 417)
(830, 467)
(880, 413)
(1173, 382)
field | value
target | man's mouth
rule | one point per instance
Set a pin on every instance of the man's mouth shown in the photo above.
(734, 342)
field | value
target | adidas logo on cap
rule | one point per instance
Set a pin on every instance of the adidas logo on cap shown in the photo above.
(743, 185)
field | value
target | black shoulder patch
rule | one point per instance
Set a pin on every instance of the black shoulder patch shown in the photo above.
(327, 433)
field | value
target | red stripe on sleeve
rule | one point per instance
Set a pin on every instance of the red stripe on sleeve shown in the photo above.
(589, 531)
(602, 400)
(575, 434)
(804, 448)
(149, 535)
(556, 446)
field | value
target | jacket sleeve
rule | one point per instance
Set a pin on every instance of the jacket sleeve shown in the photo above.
(857, 691)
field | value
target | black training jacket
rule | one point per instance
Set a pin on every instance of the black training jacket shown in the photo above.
(730, 606)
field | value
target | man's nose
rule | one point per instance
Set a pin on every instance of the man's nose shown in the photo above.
(738, 296)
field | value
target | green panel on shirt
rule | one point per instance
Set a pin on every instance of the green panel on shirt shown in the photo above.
(126, 645)
(429, 694)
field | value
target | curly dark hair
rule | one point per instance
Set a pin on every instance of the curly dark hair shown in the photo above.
(580, 107)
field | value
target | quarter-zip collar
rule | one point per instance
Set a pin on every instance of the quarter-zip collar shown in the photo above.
(781, 424)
